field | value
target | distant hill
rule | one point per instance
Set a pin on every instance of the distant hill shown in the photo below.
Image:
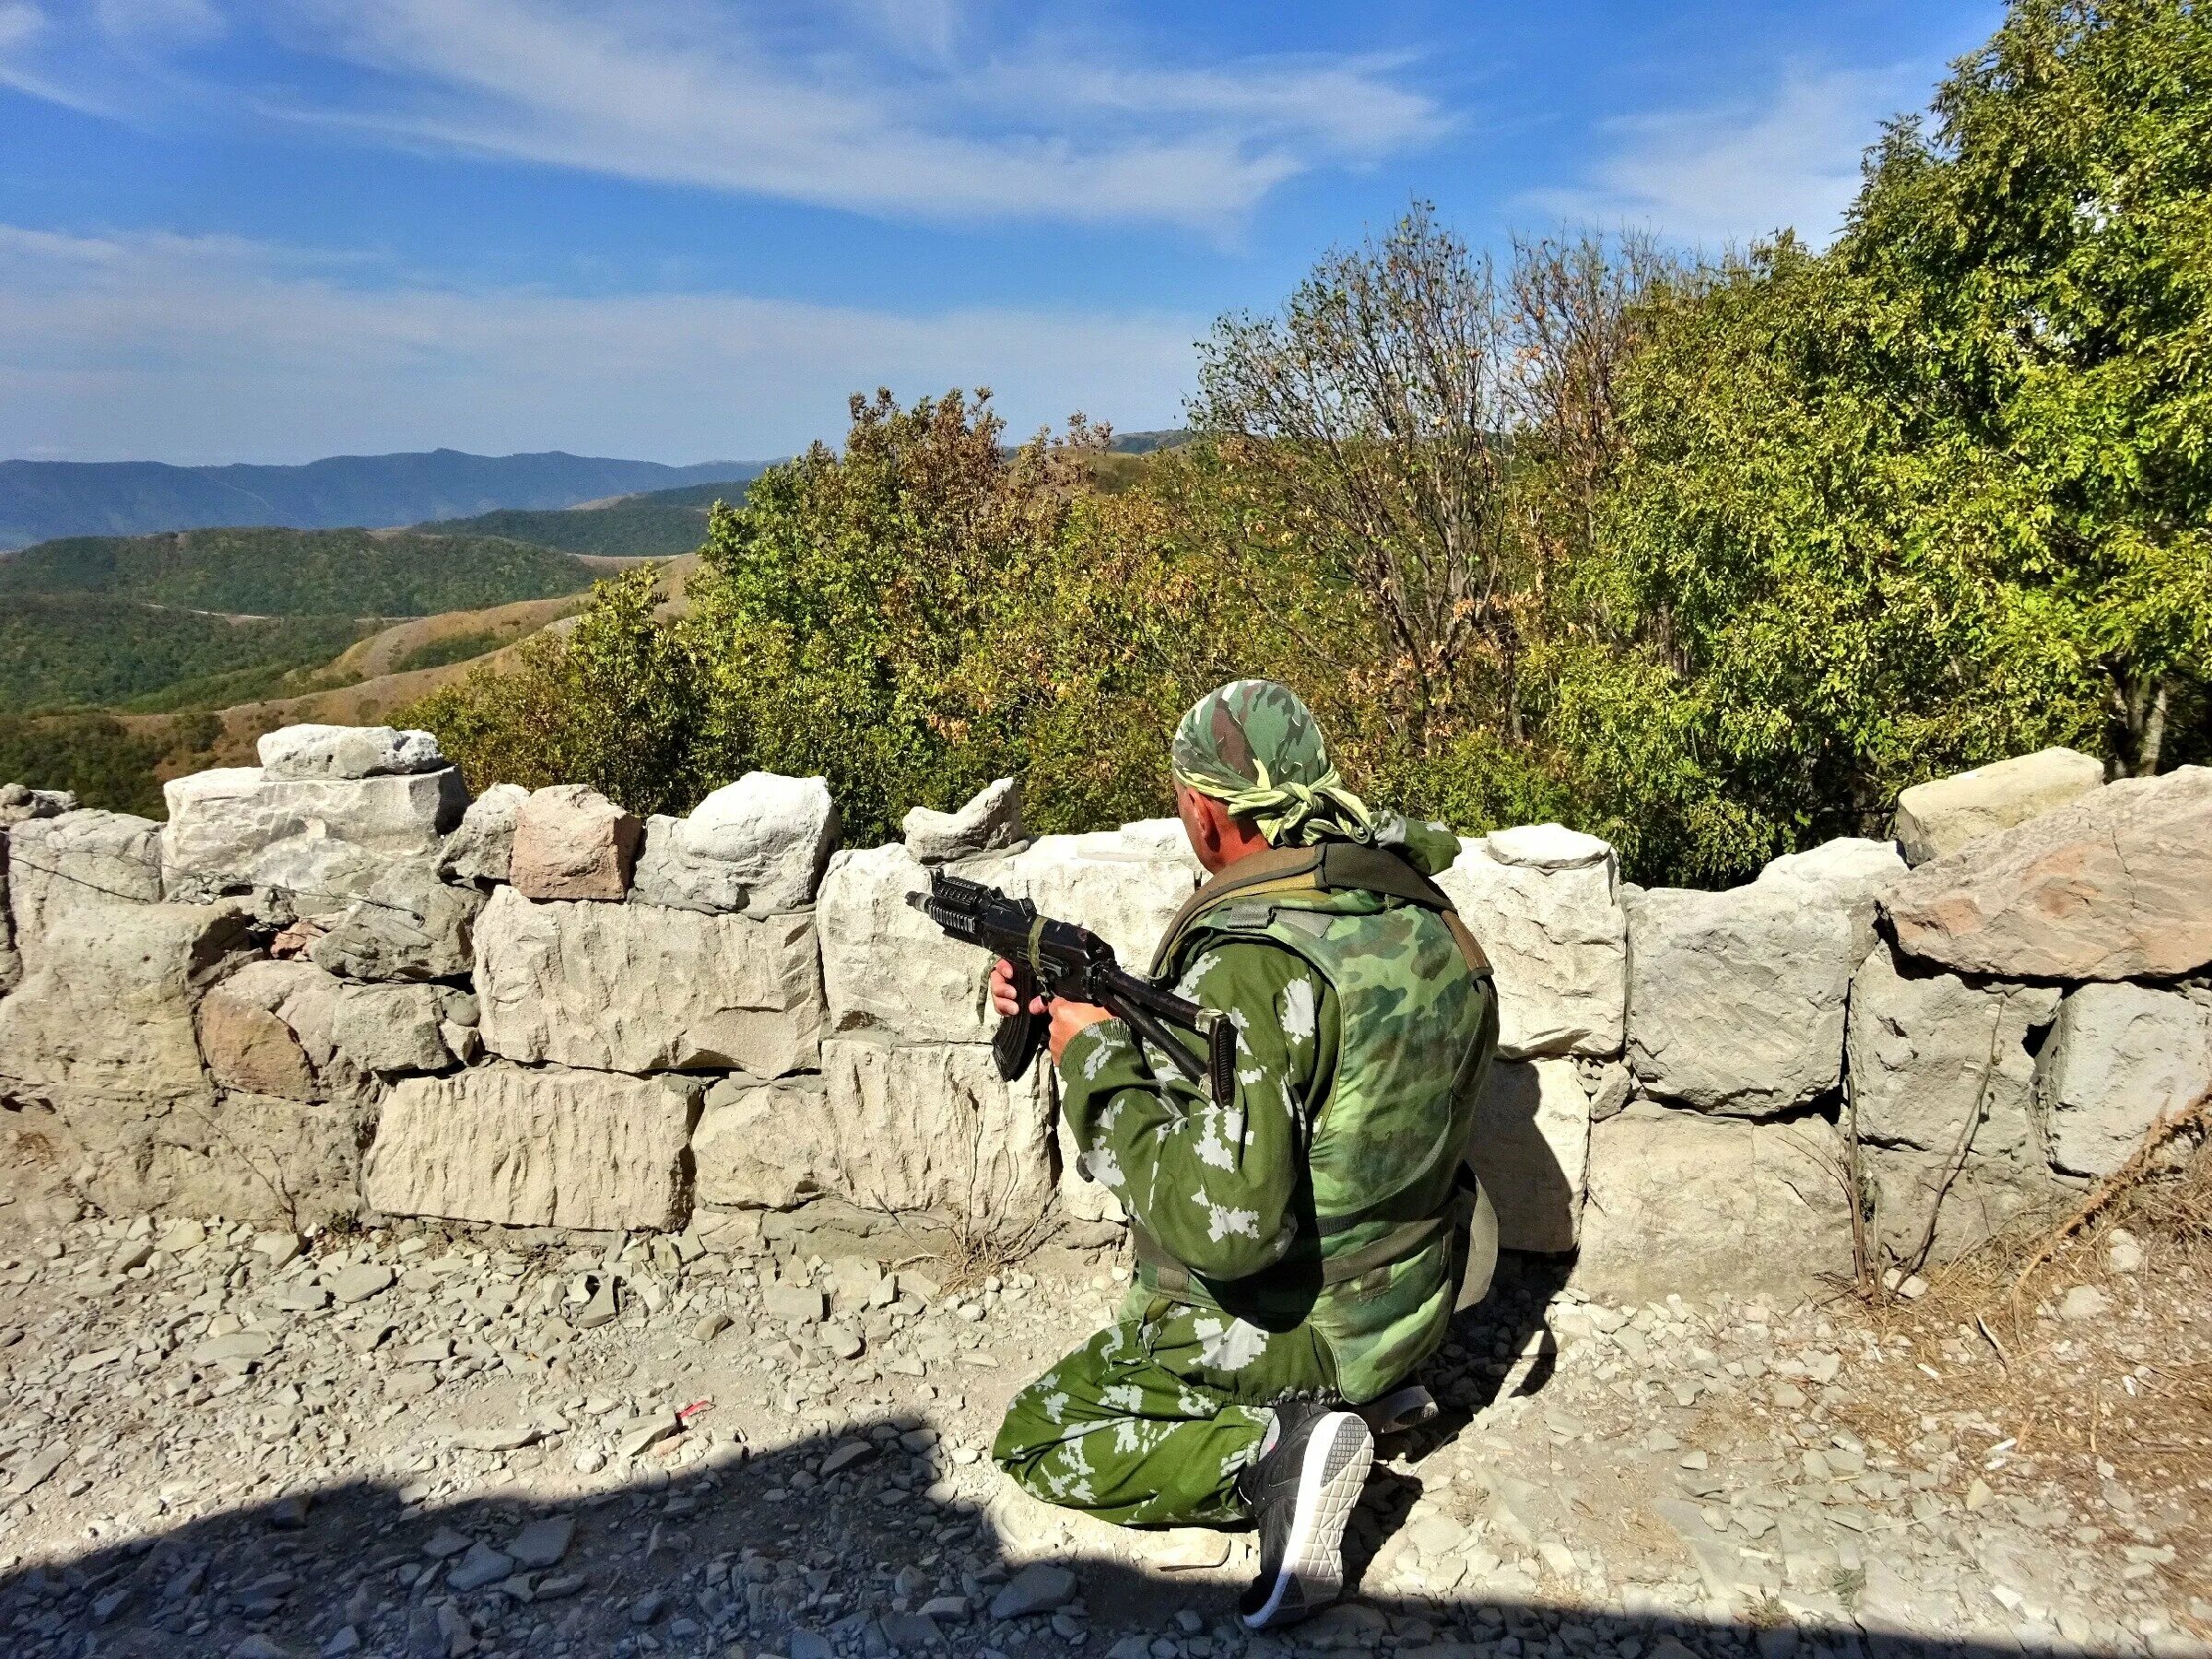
(78, 650)
(657, 525)
(270, 572)
(1144, 443)
(42, 500)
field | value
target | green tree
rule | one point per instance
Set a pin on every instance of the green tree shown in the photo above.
(2048, 242)
(874, 614)
(613, 699)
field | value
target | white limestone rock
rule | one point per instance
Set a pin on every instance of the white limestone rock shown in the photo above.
(1735, 999)
(932, 1127)
(639, 988)
(1530, 1149)
(297, 752)
(1940, 817)
(1545, 903)
(669, 876)
(1850, 874)
(20, 803)
(77, 862)
(757, 846)
(403, 922)
(885, 967)
(393, 1029)
(108, 999)
(989, 821)
(760, 1143)
(20, 806)
(2114, 885)
(235, 827)
(902, 1128)
(1689, 1205)
(534, 1147)
(1124, 884)
(482, 849)
(1927, 1052)
(2119, 1057)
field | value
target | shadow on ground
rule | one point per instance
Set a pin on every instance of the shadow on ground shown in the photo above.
(763, 1554)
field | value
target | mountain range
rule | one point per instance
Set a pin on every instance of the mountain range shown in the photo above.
(40, 500)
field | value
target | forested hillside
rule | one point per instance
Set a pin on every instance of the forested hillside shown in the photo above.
(43, 499)
(85, 650)
(1712, 558)
(297, 572)
(658, 524)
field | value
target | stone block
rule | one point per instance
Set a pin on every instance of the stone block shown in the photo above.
(2119, 1057)
(534, 1147)
(1940, 817)
(108, 1002)
(1530, 1149)
(1735, 999)
(905, 1128)
(391, 1030)
(297, 752)
(2115, 885)
(773, 834)
(482, 849)
(247, 1042)
(1850, 874)
(572, 843)
(1683, 1202)
(988, 821)
(1545, 902)
(640, 988)
(885, 967)
(243, 1156)
(76, 863)
(403, 922)
(236, 828)
(1928, 1052)
(762, 1144)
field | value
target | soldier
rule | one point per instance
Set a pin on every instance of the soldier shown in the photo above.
(1301, 1247)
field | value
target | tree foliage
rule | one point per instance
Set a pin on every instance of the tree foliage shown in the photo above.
(1710, 559)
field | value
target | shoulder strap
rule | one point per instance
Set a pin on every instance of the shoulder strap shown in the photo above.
(1332, 867)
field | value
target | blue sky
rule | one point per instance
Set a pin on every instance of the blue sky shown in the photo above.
(685, 230)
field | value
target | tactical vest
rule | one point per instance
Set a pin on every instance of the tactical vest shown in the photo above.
(1417, 1027)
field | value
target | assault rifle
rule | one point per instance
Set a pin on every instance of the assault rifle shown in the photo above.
(1058, 958)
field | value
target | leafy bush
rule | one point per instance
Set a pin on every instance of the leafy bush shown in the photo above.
(612, 700)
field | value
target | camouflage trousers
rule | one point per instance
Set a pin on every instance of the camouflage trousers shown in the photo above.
(1148, 1423)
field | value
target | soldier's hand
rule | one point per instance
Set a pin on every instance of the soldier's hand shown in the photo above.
(1068, 1018)
(1001, 992)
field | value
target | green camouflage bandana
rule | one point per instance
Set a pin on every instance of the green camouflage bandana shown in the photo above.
(1254, 747)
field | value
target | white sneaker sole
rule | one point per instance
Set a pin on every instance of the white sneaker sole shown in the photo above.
(1338, 1455)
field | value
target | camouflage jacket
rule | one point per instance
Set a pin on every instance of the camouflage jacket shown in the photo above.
(1363, 1040)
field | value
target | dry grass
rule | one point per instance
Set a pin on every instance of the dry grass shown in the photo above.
(2109, 1416)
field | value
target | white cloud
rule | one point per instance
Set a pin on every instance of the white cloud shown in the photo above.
(914, 109)
(1737, 171)
(145, 346)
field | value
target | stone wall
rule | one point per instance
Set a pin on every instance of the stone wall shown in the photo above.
(332, 985)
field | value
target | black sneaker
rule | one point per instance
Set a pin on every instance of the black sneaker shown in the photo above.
(1301, 1496)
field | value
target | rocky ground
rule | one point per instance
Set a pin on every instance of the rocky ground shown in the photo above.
(412, 1442)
